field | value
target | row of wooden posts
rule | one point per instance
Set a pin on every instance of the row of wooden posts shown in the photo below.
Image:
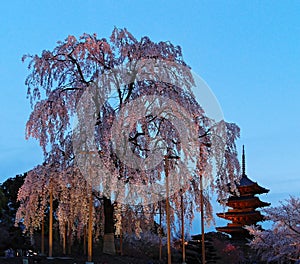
(90, 224)
(90, 228)
(182, 220)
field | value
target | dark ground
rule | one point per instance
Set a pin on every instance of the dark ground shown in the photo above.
(218, 247)
(104, 259)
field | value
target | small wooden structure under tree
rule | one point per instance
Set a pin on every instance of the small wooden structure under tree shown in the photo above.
(243, 207)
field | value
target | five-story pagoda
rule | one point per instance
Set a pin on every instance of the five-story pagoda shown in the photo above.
(243, 208)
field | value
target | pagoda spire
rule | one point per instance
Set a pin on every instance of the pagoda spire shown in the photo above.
(243, 162)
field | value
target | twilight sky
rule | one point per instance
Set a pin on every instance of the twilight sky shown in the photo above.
(248, 52)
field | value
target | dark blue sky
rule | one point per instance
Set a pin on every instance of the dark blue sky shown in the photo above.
(247, 51)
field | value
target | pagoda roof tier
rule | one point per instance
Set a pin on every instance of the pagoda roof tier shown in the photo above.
(238, 214)
(242, 202)
(235, 225)
(231, 229)
(247, 186)
(235, 232)
(246, 218)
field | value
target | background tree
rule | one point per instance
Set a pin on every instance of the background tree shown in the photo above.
(3, 203)
(281, 243)
(9, 192)
(57, 83)
(11, 236)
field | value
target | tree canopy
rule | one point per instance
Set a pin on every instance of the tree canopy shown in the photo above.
(131, 101)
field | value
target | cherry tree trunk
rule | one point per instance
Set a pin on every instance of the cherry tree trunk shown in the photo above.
(109, 238)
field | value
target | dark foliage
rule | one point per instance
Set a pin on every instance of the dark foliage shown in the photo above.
(11, 236)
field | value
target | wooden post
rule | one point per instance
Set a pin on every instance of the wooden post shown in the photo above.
(160, 233)
(64, 240)
(90, 230)
(168, 210)
(121, 243)
(51, 221)
(69, 238)
(43, 237)
(182, 227)
(84, 241)
(202, 220)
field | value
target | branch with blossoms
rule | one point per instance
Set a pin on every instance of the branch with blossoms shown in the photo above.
(281, 242)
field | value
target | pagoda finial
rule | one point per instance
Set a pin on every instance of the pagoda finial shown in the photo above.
(243, 162)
